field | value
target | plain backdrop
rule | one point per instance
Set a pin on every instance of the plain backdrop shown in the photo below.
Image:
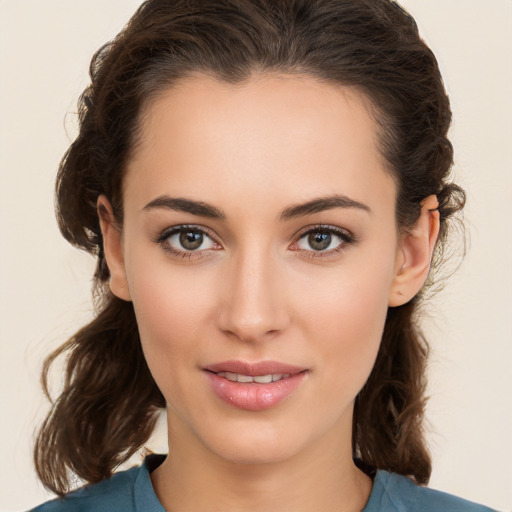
(45, 49)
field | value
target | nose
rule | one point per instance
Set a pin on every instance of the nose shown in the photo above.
(253, 305)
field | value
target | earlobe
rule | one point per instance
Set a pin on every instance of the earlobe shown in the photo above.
(414, 255)
(112, 246)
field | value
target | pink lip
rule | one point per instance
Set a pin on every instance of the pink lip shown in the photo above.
(254, 369)
(253, 396)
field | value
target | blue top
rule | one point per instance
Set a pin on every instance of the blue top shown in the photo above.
(132, 491)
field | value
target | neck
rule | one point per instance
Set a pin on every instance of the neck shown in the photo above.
(323, 477)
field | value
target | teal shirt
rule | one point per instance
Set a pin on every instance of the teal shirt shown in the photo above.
(132, 491)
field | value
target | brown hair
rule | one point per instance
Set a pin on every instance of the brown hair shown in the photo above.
(109, 401)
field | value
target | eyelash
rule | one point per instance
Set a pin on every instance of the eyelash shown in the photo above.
(163, 241)
(346, 238)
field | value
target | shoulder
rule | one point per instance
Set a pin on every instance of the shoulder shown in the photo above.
(125, 491)
(112, 494)
(397, 493)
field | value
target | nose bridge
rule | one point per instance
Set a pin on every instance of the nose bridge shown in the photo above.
(254, 302)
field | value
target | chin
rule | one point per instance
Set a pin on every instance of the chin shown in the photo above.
(256, 453)
(258, 443)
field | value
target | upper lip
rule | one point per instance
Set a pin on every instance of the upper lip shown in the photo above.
(254, 369)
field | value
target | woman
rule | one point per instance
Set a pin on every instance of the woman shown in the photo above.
(265, 185)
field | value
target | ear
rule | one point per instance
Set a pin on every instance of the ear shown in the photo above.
(414, 254)
(112, 246)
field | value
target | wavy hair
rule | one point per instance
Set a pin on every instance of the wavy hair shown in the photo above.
(109, 401)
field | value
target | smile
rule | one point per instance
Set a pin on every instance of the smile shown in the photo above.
(258, 379)
(254, 386)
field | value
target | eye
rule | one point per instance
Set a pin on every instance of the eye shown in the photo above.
(186, 241)
(190, 240)
(320, 240)
(323, 241)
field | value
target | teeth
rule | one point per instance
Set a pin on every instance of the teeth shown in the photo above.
(263, 379)
(259, 379)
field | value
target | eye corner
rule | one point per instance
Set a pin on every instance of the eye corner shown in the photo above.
(176, 250)
(345, 236)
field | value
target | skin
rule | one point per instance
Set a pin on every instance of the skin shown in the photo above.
(255, 290)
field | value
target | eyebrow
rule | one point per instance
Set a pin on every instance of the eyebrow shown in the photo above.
(203, 209)
(180, 204)
(320, 204)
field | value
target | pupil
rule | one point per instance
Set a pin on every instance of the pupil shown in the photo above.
(319, 241)
(191, 240)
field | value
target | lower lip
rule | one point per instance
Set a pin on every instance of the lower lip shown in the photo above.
(253, 396)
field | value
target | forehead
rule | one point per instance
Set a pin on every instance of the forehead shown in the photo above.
(271, 132)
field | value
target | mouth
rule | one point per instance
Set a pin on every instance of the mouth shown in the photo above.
(258, 379)
(254, 386)
(256, 369)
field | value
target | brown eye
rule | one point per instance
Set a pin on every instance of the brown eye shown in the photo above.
(323, 241)
(319, 241)
(186, 239)
(191, 240)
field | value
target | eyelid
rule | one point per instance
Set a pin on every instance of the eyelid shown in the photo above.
(171, 230)
(325, 227)
(162, 240)
(347, 238)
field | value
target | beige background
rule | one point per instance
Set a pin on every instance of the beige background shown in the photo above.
(45, 48)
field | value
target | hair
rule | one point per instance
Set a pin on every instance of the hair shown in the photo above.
(109, 402)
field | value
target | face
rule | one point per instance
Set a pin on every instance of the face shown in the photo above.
(260, 249)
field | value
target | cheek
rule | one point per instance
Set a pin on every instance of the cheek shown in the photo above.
(351, 296)
(345, 315)
(169, 302)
